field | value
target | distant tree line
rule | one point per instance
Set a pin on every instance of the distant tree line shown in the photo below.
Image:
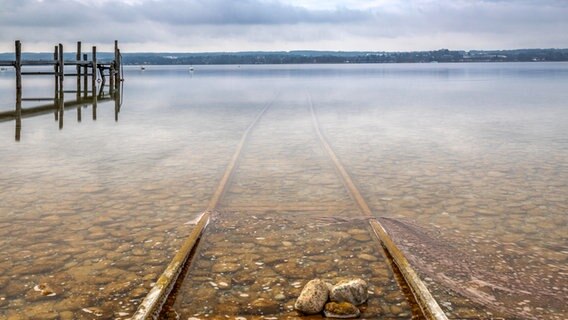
(304, 57)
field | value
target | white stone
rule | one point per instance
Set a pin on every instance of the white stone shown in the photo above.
(313, 297)
(353, 291)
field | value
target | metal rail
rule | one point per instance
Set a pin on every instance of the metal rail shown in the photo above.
(424, 298)
(153, 302)
(151, 306)
(428, 305)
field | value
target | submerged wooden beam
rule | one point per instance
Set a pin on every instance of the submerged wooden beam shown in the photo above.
(353, 191)
(430, 308)
(426, 301)
(233, 163)
(153, 302)
(151, 305)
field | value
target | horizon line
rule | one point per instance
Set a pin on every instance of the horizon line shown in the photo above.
(302, 50)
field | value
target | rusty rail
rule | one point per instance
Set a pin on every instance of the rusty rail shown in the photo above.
(428, 305)
(153, 302)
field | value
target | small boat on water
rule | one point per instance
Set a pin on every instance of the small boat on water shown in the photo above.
(2, 69)
(191, 69)
(142, 68)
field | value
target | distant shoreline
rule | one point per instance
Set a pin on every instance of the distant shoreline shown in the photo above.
(321, 57)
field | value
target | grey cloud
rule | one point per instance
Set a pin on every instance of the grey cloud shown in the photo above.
(51, 13)
(173, 12)
(193, 25)
(219, 12)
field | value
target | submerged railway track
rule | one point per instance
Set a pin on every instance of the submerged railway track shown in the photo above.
(416, 292)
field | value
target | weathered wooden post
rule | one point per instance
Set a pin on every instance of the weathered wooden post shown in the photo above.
(111, 77)
(116, 98)
(18, 121)
(61, 69)
(79, 111)
(117, 63)
(79, 69)
(94, 82)
(85, 74)
(56, 69)
(94, 66)
(61, 105)
(18, 65)
(94, 107)
(61, 98)
(119, 69)
(78, 58)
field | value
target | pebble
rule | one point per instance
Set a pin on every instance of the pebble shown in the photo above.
(44, 290)
(367, 257)
(95, 311)
(262, 306)
(313, 297)
(341, 310)
(280, 297)
(225, 267)
(353, 291)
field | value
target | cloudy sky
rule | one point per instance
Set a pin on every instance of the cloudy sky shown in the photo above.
(238, 25)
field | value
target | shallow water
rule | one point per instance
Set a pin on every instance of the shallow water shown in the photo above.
(274, 233)
(474, 155)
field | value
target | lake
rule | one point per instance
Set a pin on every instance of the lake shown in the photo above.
(467, 163)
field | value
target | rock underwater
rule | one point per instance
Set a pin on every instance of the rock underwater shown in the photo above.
(353, 291)
(313, 297)
(341, 310)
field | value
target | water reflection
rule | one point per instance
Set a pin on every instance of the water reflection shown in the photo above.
(82, 100)
(475, 157)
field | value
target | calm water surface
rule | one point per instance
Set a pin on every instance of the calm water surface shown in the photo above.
(468, 162)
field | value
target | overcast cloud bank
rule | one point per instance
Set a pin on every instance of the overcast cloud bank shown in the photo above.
(233, 25)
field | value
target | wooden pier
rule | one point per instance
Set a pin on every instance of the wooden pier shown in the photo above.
(83, 68)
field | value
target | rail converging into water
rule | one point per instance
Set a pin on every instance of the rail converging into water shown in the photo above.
(151, 306)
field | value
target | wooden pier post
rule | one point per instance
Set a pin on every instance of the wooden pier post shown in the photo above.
(79, 111)
(61, 69)
(117, 64)
(56, 69)
(116, 97)
(94, 107)
(119, 68)
(61, 95)
(61, 108)
(78, 58)
(18, 121)
(85, 76)
(111, 77)
(18, 66)
(94, 82)
(94, 74)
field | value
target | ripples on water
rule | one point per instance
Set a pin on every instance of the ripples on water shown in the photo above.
(471, 158)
